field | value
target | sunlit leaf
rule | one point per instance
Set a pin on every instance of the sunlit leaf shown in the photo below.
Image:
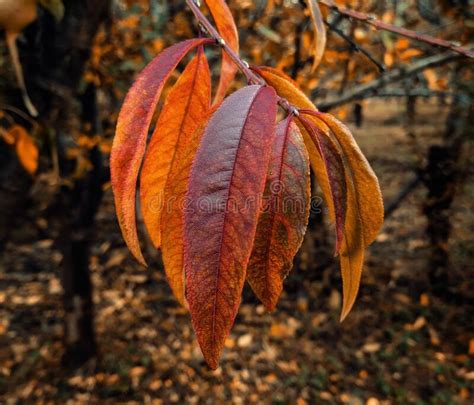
(186, 104)
(131, 135)
(368, 193)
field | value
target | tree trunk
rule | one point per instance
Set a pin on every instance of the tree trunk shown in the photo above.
(442, 178)
(54, 60)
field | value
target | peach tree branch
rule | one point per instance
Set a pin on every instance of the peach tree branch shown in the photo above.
(380, 25)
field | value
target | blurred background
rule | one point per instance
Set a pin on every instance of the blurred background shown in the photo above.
(82, 322)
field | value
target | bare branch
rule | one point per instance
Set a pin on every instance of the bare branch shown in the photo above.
(354, 46)
(368, 89)
(241, 64)
(380, 25)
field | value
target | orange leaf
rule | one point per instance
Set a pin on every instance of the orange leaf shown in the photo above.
(226, 26)
(319, 33)
(284, 216)
(223, 202)
(364, 216)
(172, 235)
(352, 252)
(25, 147)
(132, 130)
(368, 193)
(26, 150)
(187, 102)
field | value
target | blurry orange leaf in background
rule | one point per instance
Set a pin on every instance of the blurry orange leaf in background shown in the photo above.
(25, 147)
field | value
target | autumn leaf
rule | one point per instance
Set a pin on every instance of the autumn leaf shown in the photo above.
(187, 102)
(227, 29)
(369, 195)
(352, 253)
(334, 168)
(284, 216)
(319, 45)
(223, 200)
(289, 90)
(364, 216)
(172, 235)
(129, 144)
(364, 206)
(25, 147)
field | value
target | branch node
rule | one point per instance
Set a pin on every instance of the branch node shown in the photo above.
(221, 41)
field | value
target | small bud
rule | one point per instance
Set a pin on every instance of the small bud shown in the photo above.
(246, 64)
(221, 42)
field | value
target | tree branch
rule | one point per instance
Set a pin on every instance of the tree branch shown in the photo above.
(356, 47)
(380, 25)
(241, 64)
(367, 89)
(209, 28)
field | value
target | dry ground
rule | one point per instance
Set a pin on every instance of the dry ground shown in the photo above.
(399, 345)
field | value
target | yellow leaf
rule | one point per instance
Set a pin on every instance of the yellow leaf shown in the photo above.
(319, 45)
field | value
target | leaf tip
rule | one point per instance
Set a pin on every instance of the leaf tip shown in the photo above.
(346, 308)
(211, 357)
(344, 314)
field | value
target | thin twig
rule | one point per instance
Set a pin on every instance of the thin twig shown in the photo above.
(209, 28)
(380, 25)
(243, 66)
(355, 47)
(368, 89)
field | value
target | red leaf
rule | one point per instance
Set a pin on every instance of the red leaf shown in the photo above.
(223, 201)
(334, 164)
(186, 105)
(132, 130)
(228, 30)
(284, 217)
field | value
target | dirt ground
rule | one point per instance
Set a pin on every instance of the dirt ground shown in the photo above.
(400, 344)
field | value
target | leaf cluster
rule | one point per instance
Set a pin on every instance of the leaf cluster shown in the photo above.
(225, 186)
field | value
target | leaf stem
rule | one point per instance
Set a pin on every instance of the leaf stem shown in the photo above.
(243, 66)
(209, 28)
